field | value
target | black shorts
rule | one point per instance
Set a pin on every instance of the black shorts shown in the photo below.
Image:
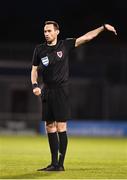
(55, 104)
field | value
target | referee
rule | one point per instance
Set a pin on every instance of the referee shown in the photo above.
(53, 56)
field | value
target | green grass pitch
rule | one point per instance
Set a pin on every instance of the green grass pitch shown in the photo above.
(87, 158)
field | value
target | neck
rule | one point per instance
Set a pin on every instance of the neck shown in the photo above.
(53, 43)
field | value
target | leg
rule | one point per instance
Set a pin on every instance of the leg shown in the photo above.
(63, 141)
(54, 146)
(53, 141)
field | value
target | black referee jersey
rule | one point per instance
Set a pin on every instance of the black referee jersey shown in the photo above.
(54, 61)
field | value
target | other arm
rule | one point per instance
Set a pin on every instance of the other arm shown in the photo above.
(92, 34)
(34, 77)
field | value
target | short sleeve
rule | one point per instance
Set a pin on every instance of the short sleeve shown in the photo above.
(70, 43)
(35, 59)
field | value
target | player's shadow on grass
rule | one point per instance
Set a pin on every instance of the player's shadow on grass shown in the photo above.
(33, 175)
(37, 174)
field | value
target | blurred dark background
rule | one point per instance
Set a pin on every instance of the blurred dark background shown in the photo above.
(98, 73)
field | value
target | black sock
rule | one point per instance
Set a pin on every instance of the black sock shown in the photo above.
(54, 145)
(62, 146)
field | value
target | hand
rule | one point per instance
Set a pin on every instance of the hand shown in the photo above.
(110, 28)
(37, 91)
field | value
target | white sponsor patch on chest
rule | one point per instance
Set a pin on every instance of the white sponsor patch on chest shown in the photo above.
(45, 61)
(60, 54)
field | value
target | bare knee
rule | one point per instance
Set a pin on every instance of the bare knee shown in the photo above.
(50, 127)
(61, 126)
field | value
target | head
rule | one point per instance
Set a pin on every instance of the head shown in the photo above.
(51, 31)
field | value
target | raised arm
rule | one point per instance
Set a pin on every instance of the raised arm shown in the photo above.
(92, 34)
(34, 77)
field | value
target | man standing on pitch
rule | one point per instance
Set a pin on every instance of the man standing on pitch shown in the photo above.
(53, 56)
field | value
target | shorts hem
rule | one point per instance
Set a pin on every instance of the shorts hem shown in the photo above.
(52, 120)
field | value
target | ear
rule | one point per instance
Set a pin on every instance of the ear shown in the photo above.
(58, 31)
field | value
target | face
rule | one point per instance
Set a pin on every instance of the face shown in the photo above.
(50, 33)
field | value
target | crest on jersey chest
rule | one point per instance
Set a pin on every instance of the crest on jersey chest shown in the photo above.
(60, 54)
(45, 61)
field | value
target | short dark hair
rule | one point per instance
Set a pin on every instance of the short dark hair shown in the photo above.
(54, 23)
